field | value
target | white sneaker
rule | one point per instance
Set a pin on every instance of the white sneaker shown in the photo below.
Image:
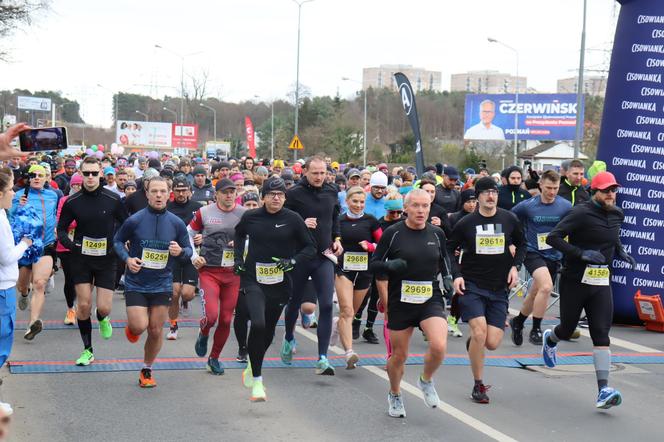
(334, 338)
(50, 285)
(351, 361)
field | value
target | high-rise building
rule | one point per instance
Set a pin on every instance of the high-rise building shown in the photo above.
(488, 82)
(594, 85)
(383, 77)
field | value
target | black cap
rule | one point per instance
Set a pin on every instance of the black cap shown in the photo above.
(200, 170)
(467, 195)
(249, 196)
(166, 173)
(154, 163)
(274, 184)
(224, 184)
(484, 183)
(181, 181)
(340, 179)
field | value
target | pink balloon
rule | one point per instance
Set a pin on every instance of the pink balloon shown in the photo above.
(100, 147)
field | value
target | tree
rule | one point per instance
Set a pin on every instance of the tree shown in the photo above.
(16, 14)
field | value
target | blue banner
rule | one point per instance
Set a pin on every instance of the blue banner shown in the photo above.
(540, 116)
(632, 145)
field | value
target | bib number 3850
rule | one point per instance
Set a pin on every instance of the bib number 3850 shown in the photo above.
(268, 274)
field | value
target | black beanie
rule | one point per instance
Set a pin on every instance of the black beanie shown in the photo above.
(484, 183)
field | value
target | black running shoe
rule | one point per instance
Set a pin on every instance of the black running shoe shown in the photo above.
(479, 394)
(356, 329)
(535, 337)
(517, 333)
(370, 336)
(241, 355)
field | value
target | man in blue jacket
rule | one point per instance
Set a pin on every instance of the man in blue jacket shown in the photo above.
(156, 239)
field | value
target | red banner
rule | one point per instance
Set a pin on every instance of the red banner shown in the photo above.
(251, 142)
(185, 136)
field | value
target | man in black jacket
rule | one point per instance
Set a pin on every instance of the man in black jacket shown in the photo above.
(512, 193)
(571, 184)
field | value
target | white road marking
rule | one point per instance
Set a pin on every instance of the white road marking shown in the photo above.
(444, 407)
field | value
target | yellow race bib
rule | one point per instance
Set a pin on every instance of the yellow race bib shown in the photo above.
(93, 246)
(541, 241)
(268, 274)
(154, 259)
(490, 244)
(596, 275)
(356, 261)
(416, 292)
(228, 258)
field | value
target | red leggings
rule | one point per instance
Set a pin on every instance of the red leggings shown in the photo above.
(219, 287)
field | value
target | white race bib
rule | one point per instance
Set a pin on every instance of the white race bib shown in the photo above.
(93, 246)
(596, 275)
(356, 261)
(228, 258)
(490, 244)
(154, 259)
(416, 292)
(268, 274)
(541, 241)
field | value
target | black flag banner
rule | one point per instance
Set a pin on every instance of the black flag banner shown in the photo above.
(408, 103)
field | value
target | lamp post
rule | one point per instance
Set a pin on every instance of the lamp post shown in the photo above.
(579, 86)
(297, 68)
(214, 118)
(143, 114)
(364, 137)
(115, 95)
(175, 114)
(516, 113)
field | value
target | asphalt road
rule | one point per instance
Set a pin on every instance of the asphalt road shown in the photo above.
(529, 403)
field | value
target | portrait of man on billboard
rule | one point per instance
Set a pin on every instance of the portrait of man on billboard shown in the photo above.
(485, 129)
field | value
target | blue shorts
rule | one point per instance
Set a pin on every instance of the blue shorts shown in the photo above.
(477, 302)
(7, 319)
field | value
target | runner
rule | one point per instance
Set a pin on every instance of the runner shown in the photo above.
(539, 215)
(213, 228)
(511, 194)
(316, 202)
(97, 212)
(485, 270)
(407, 261)
(359, 234)
(44, 203)
(202, 188)
(156, 239)
(185, 275)
(571, 184)
(279, 241)
(593, 232)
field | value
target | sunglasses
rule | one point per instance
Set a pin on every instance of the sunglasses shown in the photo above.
(609, 190)
(90, 173)
(395, 212)
(36, 175)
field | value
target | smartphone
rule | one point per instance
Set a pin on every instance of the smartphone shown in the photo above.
(44, 139)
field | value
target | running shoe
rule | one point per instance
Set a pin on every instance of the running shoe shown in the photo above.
(548, 351)
(306, 320)
(130, 336)
(351, 361)
(517, 332)
(313, 322)
(215, 367)
(608, 397)
(86, 358)
(287, 351)
(106, 328)
(479, 394)
(172, 334)
(201, 345)
(294, 342)
(576, 334)
(323, 367)
(396, 408)
(50, 286)
(356, 328)
(258, 392)
(34, 329)
(369, 336)
(248, 377)
(429, 392)
(70, 317)
(242, 355)
(453, 327)
(145, 379)
(334, 337)
(23, 301)
(535, 337)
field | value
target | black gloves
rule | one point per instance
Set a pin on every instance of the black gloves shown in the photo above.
(238, 268)
(284, 264)
(592, 257)
(396, 265)
(626, 257)
(447, 284)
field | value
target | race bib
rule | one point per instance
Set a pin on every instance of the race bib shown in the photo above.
(154, 259)
(228, 258)
(356, 261)
(596, 275)
(93, 246)
(416, 292)
(268, 274)
(541, 241)
(490, 244)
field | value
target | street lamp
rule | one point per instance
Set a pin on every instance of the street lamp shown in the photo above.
(115, 95)
(175, 114)
(297, 69)
(516, 113)
(144, 115)
(214, 118)
(579, 87)
(364, 139)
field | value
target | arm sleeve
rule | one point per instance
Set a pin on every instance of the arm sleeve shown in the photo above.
(519, 240)
(183, 241)
(240, 239)
(307, 247)
(455, 242)
(380, 255)
(191, 233)
(336, 225)
(556, 238)
(446, 269)
(65, 219)
(520, 211)
(196, 223)
(121, 213)
(121, 237)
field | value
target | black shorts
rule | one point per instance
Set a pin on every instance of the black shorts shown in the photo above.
(534, 261)
(402, 316)
(184, 272)
(98, 271)
(309, 294)
(476, 302)
(140, 299)
(49, 250)
(360, 280)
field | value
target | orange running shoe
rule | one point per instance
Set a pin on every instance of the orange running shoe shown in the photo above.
(131, 338)
(70, 318)
(145, 379)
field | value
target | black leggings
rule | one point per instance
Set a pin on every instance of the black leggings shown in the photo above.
(241, 320)
(70, 291)
(597, 301)
(370, 298)
(265, 304)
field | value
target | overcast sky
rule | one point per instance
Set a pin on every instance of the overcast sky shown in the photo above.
(249, 46)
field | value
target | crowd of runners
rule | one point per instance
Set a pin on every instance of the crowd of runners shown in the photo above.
(258, 240)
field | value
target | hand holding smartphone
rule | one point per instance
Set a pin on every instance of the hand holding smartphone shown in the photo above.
(44, 139)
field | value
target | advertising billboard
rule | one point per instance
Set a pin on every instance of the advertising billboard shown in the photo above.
(144, 133)
(185, 136)
(34, 103)
(540, 116)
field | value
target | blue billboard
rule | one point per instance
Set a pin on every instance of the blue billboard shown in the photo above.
(540, 116)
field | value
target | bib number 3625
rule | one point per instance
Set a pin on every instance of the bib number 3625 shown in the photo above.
(596, 275)
(154, 259)
(416, 292)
